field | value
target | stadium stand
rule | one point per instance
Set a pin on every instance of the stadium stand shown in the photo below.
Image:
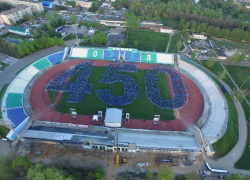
(41, 64)
(79, 53)
(55, 57)
(215, 125)
(18, 86)
(132, 56)
(14, 100)
(111, 55)
(16, 115)
(95, 54)
(148, 57)
(165, 58)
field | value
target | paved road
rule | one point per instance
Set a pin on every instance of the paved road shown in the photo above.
(228, 161)
(8, 74)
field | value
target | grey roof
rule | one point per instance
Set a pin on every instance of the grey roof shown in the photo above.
(113, 115)
(220, 52)
(14, 10)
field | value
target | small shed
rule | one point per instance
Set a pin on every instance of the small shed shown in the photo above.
(113, 117)
(19, 30)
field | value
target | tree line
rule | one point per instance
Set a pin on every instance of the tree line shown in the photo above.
(8, 48)
(234, 34)
(28, 47)
(99, 38)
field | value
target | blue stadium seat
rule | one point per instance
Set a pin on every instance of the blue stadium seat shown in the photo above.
(110, 55)
(16, 115)
(55, 57)
(130, 56)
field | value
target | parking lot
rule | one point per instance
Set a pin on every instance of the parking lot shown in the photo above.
(80, 31)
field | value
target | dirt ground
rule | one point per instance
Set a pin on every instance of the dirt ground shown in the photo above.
(65, 156)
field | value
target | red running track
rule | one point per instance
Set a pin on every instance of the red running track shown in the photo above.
(44, 110)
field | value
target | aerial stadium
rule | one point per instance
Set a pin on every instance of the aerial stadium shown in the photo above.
(156, 100)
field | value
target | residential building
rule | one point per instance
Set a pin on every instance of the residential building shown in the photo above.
(153, 25)
(113, 22)
(2, 25)
(167, 29)
(19, 30)
(220, 54)
(36, 6)
(15, 14)
(84, 4)
(198, 36)
(106, 4)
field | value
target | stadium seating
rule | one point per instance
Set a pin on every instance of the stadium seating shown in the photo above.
(16, 115)
(18, 86)
(153, 90)
(14, 100)
(111, 55)
(79, 53)
(95, 54)
(132, 56)
(148, 57)
(163, 58)
(41, 64)
(55, 57)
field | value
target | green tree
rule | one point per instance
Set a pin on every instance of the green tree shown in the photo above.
(115, 42)
(193, 54)
(60, 41)
(203, 27)
(210, 62)
(52, 42)
(149, 175)
(93, 38)
(178, 45)
(235, 57)
(136, 44)
(242, 57)
(192, 175)
(165, 173)
(187, 36)
(21, 52)
(99, 174)
(90, 176)
(6, 170)
(233, 177)
(239, 94)
(21, 165)
(50, 28)
(85, 39)
(94, 7)
(13, 23)
(70, 3)
(122, 44)
(181, 25)
(221, 75)
(73, 18)
(56, 40)
(44, 41)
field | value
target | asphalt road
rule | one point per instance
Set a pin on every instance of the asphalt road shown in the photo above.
(9, 72)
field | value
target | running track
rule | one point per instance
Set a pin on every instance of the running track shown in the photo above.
(44, 110)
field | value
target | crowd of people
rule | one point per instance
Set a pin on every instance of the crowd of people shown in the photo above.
(77, 88)
(110, 76)
(153, 91)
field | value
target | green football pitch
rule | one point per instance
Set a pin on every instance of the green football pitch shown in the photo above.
(148, 40)
(141, 108)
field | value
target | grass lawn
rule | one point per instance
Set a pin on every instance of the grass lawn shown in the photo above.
(172, 47)
(231, 45)
(240, 75)
(1, 96)
(148, 40)
(141, 108)
(52, 95)
(4, 65)
(170, 22)
(218, 68)
(224, 145)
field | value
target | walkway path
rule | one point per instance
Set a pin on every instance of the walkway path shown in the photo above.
(228, 161)
(169, 42)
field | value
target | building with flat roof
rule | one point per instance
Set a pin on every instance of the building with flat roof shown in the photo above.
(84, 4)
(47, 4)
(19, 30)
(220, 54)
(15, 14)
(167, 29)
(113, 22)
(36, 6)
(198, 36)
(146, 24)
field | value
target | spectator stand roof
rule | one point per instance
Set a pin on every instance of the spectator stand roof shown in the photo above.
(113, 117)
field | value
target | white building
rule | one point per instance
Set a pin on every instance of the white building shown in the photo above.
(18, 30)
(36, 6)
(15, 14)
(84, 4)
(113, 117)
(198, 36)
(167, 29)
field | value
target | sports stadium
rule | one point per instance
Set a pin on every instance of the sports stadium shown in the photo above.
(155, 100)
